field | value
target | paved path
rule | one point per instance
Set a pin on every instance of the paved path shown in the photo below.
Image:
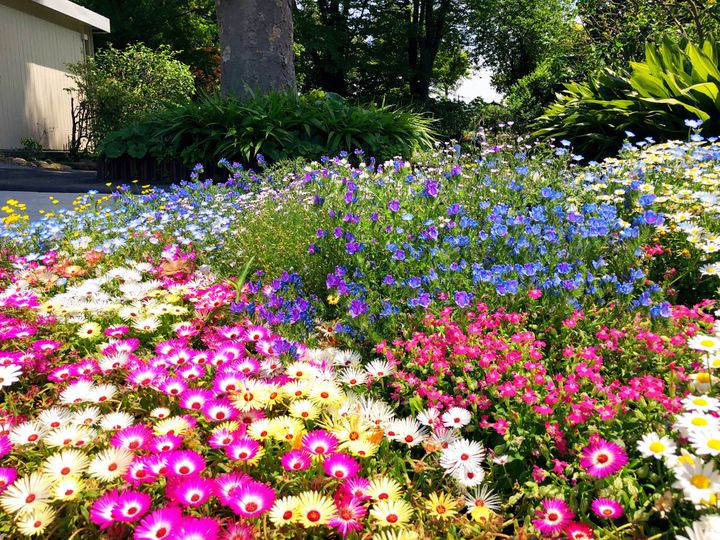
(33, 186)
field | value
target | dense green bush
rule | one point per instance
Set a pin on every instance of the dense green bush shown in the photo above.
(278, 126)
(119, 86)
(654, 98)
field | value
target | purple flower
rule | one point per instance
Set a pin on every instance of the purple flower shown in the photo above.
(357, 308)
(462, 298)
(394, 205)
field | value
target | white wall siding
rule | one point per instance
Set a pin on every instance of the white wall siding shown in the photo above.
(35, 46)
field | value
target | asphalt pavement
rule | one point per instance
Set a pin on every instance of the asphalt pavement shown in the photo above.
(35, 187)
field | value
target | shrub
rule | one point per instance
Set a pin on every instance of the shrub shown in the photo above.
(119, 86)
(653, 99)
(277, 126)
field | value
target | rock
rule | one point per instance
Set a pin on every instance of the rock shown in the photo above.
(58, 167)
(42, 164)
(17, 161)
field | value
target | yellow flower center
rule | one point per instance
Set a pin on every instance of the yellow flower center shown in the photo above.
(699, 422)
(702, 402)
(700, 481)
(714, 444)
(703, 377)
(657, 447)
(707, 342)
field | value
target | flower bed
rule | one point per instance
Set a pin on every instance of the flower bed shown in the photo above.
(489, 348)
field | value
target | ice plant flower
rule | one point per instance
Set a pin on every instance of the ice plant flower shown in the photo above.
(602, 458)
(341, 466)
(392, 513)
(555, 515)
(315, 509)
(159, 524)
(607, 508)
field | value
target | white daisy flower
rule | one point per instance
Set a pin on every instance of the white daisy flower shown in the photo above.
(26, 493)
(702, 403)
(653, 445)
(705, 442)
(379, 369)
(429, 417)
(9, 374)
(704, 343)
(456, 417)
(462, 455)
(698, 481)
(110, 464)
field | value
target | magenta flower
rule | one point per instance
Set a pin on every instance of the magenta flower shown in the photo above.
(607, 508)
(603, 458)
(192, 491)
(296, 460)
(166, 443)
(356, 487)
(226, 484)
(222, 438)
(197, 528)
(139, 472)
(184, 463)
(239, 531)
(341, 466)
(7, 476)
(243, 449)
(219, 410)
(555, 515)
(160, 524)
(319, 442)
(195, 398)
(348, 517)
(131, 506)
(5, 445)
(101, 511)
(252, 499)
(579, 531)
(132, 438)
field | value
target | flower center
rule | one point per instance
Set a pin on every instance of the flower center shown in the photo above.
(184, 469)
(553, 516)
(313, 516)
(699, 422)
(700, 481)
(602, 458)
(287, 515)
(392, 518)
(251, 507)
(64, 471)
(657, 447)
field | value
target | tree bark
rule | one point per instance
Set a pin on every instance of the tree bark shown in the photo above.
(427, 29)
(256, 46)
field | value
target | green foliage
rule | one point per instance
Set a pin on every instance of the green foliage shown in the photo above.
(278, 125)
(654, 98)
(117, 87)
(32, 148)
(186, 26)
(619, 29)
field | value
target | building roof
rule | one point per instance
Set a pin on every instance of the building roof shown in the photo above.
(70, 9)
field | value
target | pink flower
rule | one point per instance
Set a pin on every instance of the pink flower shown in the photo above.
(252, 499)
(535, 293)
(554, 517)
(579, 531)
(295, 460)
(131, 506)
(160, 524)
(348, 517)
(341, 466)
(607, 508)
(192, 491)
(603, 458)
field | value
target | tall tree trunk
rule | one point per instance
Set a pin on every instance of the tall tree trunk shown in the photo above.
(427, 28)
(256, 46)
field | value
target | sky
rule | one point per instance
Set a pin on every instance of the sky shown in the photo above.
(478, 86)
